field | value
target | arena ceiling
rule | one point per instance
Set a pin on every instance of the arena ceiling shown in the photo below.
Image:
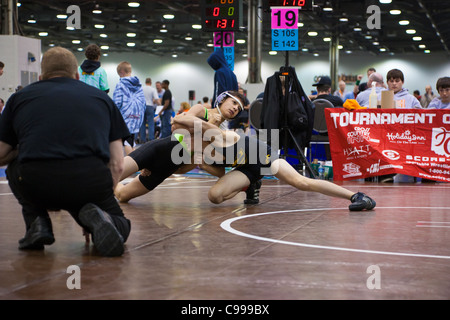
(421, 27)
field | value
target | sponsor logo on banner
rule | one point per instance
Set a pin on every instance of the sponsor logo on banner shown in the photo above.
(352, 170)
(440, 143)
(391, 154)
(406, 137)
(357, 152)
(374, 167)
(359, 135)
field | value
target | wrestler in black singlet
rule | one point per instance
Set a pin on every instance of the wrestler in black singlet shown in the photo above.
(156, 156)
(248, 155)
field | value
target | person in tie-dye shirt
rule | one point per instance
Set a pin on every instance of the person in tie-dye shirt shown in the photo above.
(129, 98)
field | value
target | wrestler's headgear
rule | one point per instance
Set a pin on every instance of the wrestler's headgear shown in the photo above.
(222, 97)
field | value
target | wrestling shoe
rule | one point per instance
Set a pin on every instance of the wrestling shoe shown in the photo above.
(360, 201)
(39, 234)
(106, 238)
(252, 193)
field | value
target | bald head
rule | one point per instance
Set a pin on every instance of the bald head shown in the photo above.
(377, 78)
(58, 62)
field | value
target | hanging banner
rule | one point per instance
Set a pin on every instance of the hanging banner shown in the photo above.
(373, 142)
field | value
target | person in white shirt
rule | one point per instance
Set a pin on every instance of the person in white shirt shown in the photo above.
(151, 99)
(443, 88)
(402, 98)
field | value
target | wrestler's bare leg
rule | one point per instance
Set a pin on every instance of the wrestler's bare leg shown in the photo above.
(286, 173)
(126, 192)
(228, 186)
(129, 167)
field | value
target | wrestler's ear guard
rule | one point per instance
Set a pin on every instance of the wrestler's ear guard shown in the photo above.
(221, 97)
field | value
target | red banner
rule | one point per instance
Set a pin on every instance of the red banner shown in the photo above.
(373, 142)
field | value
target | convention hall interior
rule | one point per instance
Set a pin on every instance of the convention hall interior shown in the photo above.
(290, 244)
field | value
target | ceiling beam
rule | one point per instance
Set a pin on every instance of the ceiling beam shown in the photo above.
(434, 25)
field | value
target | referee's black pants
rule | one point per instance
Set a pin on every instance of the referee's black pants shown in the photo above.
(65, 185)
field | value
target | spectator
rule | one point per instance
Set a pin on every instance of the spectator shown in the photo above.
(90, 70)
(205, 103)
(362, 86)
(166, 112)
(129, 98)
(80, 162)
(2, 104)
(402, 98)
(151, 99)
(324, 92)
(2, 65)
(224, 77)
(159, 90)
(443, 88)
(416, 94)
(184, 107)
(427, 97)
(341, 92)
(363, 97)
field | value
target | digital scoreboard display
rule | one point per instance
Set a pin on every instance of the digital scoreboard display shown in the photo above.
(221, 15)
(300, 4)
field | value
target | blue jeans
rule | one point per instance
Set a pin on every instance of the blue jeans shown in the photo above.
(149, 116)
(166, 128)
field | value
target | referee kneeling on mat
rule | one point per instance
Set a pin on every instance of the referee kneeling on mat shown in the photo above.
(62, 141)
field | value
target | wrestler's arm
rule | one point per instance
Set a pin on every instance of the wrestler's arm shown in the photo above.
(213, 170)
(209, 131)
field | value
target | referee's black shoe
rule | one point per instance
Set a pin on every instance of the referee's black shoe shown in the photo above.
(252, 193)
(39, 234)
(361, 201)
(107, 239)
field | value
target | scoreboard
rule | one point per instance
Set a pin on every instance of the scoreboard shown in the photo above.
(221, 15)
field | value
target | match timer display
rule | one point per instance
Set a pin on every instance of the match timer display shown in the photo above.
(221, 15)
(299, 4)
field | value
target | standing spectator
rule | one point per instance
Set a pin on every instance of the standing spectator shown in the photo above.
(361, 86)
(151, 98)
(443, 88)
(80, 162)
(129, 98)
(224, 77)
(2, 65)
(427, 97)
(205, 103)
(90, 70)
(402, 98)
(166, 112)
(159, 90)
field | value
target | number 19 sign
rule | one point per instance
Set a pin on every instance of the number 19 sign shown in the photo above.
(284, 29)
